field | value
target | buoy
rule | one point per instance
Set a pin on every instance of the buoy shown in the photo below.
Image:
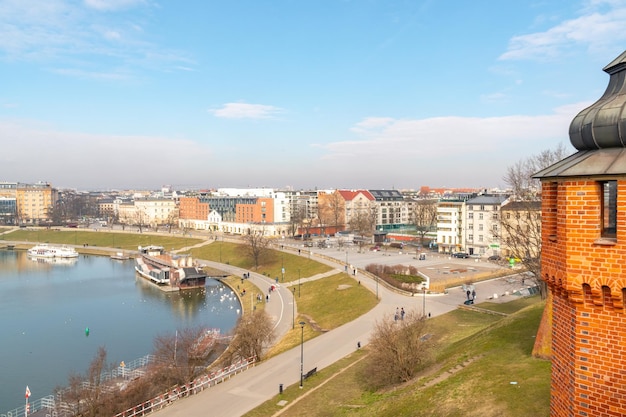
(86, 331)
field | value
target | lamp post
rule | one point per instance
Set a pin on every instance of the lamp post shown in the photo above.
(377, 287)
(293, 309)
(347, 260)
(301, 354)
(299, 285)
(424, 301)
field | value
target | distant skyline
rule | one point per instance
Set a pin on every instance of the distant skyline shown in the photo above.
(378, 94)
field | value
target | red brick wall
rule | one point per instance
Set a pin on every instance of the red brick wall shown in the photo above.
(585, 274)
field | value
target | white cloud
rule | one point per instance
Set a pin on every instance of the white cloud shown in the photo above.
(452, 137)
(596, 29)
(108, 5)
(246, 111)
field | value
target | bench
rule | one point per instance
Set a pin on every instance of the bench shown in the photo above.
(310, 373)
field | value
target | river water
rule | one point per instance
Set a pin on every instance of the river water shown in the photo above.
(46, 309)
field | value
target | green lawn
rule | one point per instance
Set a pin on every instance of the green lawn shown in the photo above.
(124, 241)
(271, 264)
(482, 367)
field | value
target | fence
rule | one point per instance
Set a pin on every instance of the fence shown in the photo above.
(47, 406)
(198, 385)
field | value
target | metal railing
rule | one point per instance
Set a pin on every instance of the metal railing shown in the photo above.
(196, 386)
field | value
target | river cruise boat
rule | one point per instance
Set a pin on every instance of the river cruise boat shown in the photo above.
(48, 251)
(166, 269)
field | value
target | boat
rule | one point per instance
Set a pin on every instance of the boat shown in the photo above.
(168, 270)
(204, 344)
(54, 261)
(120, 256)
(44, 250)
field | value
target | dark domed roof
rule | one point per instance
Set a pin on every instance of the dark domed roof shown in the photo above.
(603, 124)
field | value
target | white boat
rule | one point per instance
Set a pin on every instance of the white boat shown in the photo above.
(48, 251)
(120, 256)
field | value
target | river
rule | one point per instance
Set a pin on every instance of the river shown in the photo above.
(46, 309)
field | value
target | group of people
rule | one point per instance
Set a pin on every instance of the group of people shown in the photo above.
(399, 314)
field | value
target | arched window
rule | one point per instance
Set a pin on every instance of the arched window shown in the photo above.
(587, 293)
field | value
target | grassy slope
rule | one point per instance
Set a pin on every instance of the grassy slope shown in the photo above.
(479, 355)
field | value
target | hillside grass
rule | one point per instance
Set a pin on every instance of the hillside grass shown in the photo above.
(482, 367)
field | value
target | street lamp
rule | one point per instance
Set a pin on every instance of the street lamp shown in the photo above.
(301, 354)
(221, 239)
(424, 301)
(293, 309)
(299, 285)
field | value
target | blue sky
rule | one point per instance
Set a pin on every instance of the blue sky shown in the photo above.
(109, 94)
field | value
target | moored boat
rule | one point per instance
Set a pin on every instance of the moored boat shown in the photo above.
(120, 256)
(165, 269)
(44, 250)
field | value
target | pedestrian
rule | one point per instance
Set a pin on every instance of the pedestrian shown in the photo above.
(473, 295)
(402, 313)
(267, 298)
(397, 315)
(468, 294)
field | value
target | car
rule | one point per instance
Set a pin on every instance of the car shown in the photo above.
(375, 248)
(460, 255)
(494, 258)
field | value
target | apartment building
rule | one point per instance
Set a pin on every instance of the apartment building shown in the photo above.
(481, 228)
(35, 202)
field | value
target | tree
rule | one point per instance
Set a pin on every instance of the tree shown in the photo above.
(331, 210)
(296, 219)
(177, 353)
(519, 176)
(398, 350)
(253, 333)
(363, 222)
(257, 245)
(424, 217)
(87, 394)
(520, 232)
(523, 233)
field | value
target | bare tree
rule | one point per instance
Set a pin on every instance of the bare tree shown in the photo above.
(87, 394)
(178, 353)
(398, 349)
(253, 333)
(296, 219)
(520, 232)
(257, 245)
(424, 217)
(519, 176)
(361, 225)
(331, 210)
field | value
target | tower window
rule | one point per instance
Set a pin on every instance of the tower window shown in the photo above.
(609, 209)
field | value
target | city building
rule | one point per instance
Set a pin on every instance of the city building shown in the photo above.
(35, 202)
(481, 228)
(450, 214)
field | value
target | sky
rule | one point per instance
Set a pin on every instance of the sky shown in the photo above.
(300, 94)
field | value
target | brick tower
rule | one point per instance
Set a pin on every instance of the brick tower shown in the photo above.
(583, 258)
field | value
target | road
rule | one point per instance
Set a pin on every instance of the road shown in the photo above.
(251, 388)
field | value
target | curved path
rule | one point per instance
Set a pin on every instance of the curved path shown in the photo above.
(251, 388)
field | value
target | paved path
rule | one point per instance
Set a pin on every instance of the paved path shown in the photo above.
(251, 388)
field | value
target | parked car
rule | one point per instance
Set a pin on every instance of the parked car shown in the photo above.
(494, 258)
(375, 248)
(460, 255)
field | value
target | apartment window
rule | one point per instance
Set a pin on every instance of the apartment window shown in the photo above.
(480, 216)
(609, 209)
(470, 215)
